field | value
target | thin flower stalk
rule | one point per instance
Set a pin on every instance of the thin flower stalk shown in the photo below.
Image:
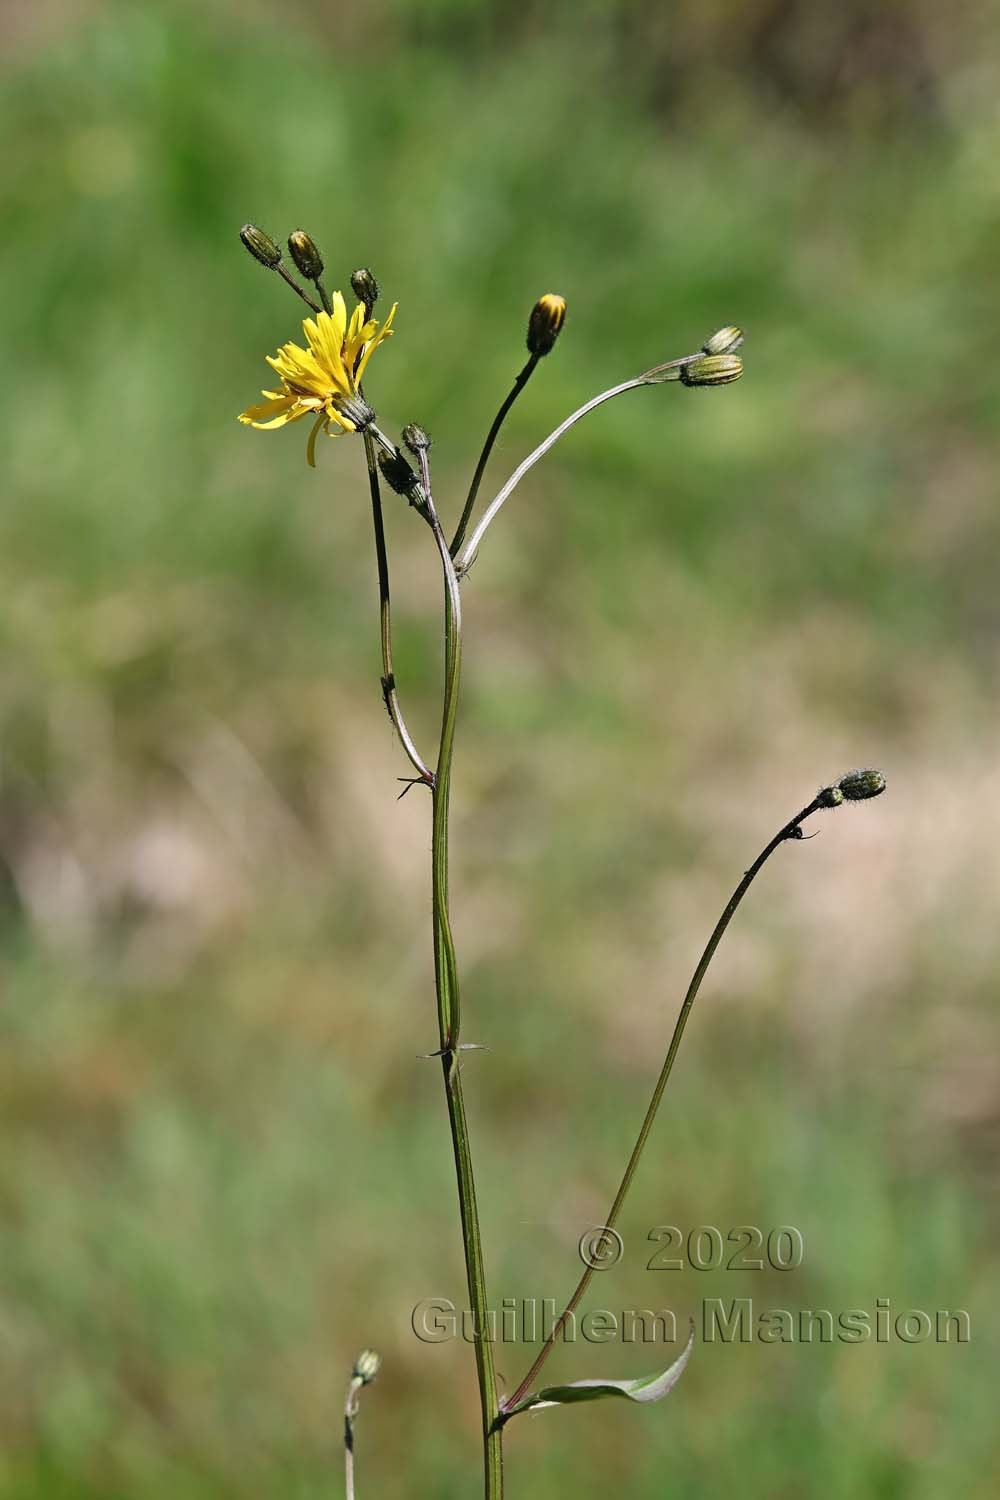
(484, 457)
(390, 693)
(449, 1012)
(366, 1367)
(464, 561)
(544, 326)
(298, 290)
(791, 830)
(672, 369)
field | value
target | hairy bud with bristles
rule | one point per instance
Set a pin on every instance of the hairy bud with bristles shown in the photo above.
(859, 786)
(365, 288)
(400, 477)
(302, 249)
(855, 786)
(260, 245)
(415, 438)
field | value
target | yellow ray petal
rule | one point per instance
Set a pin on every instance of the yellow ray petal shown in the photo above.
(278, 409)
(311, 445)
(357, 321)
(341, 423)
(339, 316)
(325, 343)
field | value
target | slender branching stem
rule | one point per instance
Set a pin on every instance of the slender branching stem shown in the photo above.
(297, 289)
(464, 561)
(791, 830)
(484, 457)
(476, 1278)
(445, 966)
(657, 376)
(324, 295)
(449, 1016)
(389, 692)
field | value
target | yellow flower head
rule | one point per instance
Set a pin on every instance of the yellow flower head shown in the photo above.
(322, 380)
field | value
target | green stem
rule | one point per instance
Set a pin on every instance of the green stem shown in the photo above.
(445, 965)
(389, 693)
(791, 830)
(449, 1016)
(476, 1277)
(484, 457)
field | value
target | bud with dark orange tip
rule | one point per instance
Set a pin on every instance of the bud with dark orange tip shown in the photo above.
(261, 246)
(302, 249)
(547, 318)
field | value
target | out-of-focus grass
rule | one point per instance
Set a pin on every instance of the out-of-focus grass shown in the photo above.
(223, 1169)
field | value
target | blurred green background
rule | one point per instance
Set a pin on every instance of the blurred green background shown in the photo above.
(223, 1170)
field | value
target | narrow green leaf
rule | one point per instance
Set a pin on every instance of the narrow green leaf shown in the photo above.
(643, 1389)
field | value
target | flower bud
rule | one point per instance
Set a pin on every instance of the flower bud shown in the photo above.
(858, 786)
(712, 369)
(829, 796)
(365, 288)
(367, 1366)
(302, 249)
(400, 477)
(260, 245)
(415, 438)
(547, 318)
(725, 341)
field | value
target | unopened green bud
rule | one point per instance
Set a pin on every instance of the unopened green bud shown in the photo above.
(725, 341)
(400, 477)
(547, 318)
(302, 249)
(367, 1366)
(260, 245)
(858, 786)
(415, 438)
(712, 369)
(365, 288)
(855, 786)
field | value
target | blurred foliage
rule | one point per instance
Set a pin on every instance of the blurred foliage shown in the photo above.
(224, 1172)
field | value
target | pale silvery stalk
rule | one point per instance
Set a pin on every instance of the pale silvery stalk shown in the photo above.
(716, 363)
